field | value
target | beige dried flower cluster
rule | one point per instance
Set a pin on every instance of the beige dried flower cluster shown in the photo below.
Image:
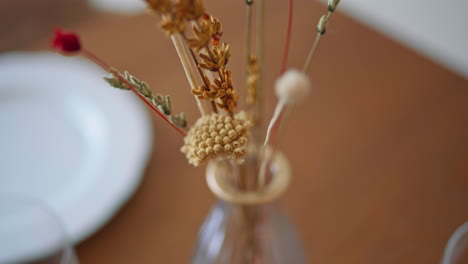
(174, 15)
(214, 135)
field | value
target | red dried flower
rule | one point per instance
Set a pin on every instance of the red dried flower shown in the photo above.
(65, 42)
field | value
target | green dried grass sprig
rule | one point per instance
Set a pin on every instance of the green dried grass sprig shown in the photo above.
(321, 29)
(162, 102)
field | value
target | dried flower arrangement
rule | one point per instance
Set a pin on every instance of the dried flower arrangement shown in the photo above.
(221, 131)
(196, 36)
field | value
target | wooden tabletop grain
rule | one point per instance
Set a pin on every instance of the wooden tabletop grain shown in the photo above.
(379, 150)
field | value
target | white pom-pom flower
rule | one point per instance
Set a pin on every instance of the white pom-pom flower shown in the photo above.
(292, 86)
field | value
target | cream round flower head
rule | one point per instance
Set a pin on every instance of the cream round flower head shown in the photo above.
(292, 86)
(214, 135)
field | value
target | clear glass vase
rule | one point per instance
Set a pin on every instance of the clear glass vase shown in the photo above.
(247, 226)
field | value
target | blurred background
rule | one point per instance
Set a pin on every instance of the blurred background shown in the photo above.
(379, 151)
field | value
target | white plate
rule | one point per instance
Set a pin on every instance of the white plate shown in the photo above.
(69, 139)
(129, 7)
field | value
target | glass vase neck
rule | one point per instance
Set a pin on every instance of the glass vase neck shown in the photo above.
(228, 181)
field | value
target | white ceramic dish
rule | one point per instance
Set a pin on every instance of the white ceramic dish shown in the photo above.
(129, 7)
(69, 139)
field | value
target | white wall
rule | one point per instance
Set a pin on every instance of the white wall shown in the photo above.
(437, 29)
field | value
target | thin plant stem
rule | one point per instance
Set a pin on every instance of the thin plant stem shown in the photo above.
(274, 120)
(248, 42)
(287, 41)
(319, 35)
(278, 115)
(306, 67)
(276, 142)
(249, 214)
(281, 127)
(109, 69)
(274, 127)
(185, 60)
(260, 45)
(96, 60)
(248, 53)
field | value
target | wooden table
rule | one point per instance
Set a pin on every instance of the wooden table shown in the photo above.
(379, 150)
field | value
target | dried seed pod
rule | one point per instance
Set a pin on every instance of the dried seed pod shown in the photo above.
(292, 86)
(332, 4)
(116, 83)
(207, 31)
